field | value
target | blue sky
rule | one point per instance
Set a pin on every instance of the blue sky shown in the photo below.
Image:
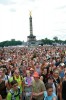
(49, 19)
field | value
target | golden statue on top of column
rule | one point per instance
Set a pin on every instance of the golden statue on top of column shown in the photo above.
(30, 13)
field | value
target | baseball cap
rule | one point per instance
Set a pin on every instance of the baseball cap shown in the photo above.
(36, 74)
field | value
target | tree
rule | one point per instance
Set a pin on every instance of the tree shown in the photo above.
(55, 38)
(10, 43)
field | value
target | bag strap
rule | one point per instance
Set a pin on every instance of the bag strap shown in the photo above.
(13, 95)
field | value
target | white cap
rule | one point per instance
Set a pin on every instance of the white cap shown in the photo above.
(62, 64)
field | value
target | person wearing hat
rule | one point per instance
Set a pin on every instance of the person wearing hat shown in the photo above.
(38, 87)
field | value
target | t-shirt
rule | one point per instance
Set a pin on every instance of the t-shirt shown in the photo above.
(3, 91)
(13, 95)
(28, 81)
(61, 74)
(46, 97)
(64, 90)
(19, 81)
(28, 89)
(5, 78)
(37, 88)
(44, 78)
(9, 96)
(10, 79)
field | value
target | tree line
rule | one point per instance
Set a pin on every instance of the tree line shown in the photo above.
(55, 40)
(13, 42)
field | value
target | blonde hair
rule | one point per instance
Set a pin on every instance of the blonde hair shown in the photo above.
(27, 72)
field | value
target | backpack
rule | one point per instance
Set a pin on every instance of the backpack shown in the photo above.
(13, 96)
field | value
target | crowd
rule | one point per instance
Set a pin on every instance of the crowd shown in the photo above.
(33, 73)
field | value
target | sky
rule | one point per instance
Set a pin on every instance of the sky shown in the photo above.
(48, 17)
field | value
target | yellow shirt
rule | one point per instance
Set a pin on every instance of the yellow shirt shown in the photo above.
(19, 81)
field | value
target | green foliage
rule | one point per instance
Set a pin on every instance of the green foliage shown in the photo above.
(55, 38)
(45, 41)
(10, 43)
(64, 42)
(50, 42)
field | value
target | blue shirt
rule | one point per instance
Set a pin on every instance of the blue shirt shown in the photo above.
(61, 74)
(46, 97)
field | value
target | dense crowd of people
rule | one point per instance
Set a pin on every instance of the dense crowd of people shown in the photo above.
(33, 73)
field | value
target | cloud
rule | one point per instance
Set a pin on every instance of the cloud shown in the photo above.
(61, 30)
(13, 10)
(32, 0)
(3, 1)
(7, 2)
(62, 7)
(47, 20)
